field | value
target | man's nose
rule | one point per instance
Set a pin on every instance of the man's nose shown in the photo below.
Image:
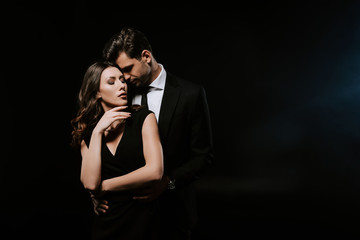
(127, 76)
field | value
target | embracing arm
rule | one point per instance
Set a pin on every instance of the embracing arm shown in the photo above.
(200, 145)
(153, 168)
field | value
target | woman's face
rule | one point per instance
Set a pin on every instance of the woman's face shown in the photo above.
(113, 89)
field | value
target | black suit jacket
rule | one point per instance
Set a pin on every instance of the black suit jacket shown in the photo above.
(186, 137)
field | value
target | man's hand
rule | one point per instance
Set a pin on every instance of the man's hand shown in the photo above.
(152, 192)
(100, 206)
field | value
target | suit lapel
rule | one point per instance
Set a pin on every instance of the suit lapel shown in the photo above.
(168, 104)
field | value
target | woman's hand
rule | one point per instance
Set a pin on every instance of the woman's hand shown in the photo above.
(112, 119)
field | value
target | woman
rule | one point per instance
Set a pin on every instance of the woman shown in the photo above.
(121, 152)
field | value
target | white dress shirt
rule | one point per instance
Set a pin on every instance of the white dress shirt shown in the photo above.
(155, 94)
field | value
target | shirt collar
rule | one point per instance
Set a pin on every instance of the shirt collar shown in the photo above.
(159, 82)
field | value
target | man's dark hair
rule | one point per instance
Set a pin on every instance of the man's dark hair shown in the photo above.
(128, 40)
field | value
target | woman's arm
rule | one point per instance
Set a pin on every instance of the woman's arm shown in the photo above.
(91, 162)
(154, 167)
(91, 156)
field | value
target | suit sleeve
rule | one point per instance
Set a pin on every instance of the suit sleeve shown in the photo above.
(201, 143)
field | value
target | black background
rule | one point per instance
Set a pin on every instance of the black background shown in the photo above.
(283, 87)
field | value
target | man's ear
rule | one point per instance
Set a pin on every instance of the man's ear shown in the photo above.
(146, 56)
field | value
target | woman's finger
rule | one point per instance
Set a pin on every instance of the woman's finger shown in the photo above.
(118, 108)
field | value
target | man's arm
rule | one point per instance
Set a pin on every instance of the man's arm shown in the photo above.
(201, 144)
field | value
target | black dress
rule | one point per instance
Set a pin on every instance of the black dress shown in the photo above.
(126, 218)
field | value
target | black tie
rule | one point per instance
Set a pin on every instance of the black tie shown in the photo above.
(144, 92)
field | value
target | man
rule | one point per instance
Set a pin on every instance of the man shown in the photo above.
(183, 118)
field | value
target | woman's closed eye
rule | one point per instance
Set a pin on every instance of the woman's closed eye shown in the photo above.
(111, 82)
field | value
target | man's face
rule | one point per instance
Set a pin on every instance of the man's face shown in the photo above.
(137, 73)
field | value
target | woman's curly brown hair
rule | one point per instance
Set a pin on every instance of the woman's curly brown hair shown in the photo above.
(90, 110)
